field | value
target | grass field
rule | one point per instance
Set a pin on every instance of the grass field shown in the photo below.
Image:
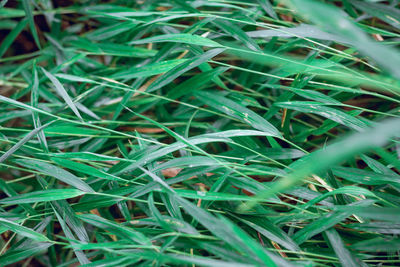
(199, 133)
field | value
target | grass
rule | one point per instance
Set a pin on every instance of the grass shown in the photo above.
(200, 133)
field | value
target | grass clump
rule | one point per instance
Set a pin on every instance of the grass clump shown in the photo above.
(199, 133)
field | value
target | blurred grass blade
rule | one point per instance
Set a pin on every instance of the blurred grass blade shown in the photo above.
(335, 153)
(335, 21)
(388, 14)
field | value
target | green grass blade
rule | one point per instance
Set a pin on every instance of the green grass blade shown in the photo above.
(61, 91)
(22, 230)
(42, 196)
(29, 15)
(56, 172)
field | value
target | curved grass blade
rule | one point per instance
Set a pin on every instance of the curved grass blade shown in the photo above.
(327, 112)
(324, 222)
(55, 172)
(89, 170)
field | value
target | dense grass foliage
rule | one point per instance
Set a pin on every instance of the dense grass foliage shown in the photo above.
(199, 133)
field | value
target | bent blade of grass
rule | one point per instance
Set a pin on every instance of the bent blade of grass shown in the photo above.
(388, 14)
(352, 190)
(302, 30)
(365, 177)
(325, 222)
(327, 112)
(270, 231)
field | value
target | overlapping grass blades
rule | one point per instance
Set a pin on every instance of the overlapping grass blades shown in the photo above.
(200, 133)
